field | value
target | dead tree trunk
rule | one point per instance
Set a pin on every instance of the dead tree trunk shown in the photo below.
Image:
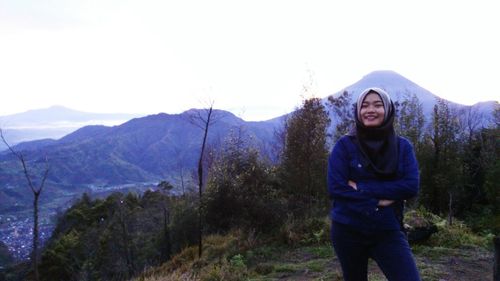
(200, 182)
(36, 190)
(35, 233)
(203, 122)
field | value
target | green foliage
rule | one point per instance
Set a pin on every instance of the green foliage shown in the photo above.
(237, 261)
(459, 168)
(324, 251)
(421, 217)
(490, 156)
(242, 191)
(116, 238)
(483, 219)
(224, 270)
(442, 177)
(304, 161)
(66, 251)
(184, 222)
(305, 231)
(457, 235)
(222, 259)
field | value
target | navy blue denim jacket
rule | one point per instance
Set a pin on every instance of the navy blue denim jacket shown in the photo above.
(359, 208)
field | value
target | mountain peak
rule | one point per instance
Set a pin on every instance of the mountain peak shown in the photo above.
(385, 77)
(396, 85)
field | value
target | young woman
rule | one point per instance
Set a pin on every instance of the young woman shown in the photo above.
(371, 171)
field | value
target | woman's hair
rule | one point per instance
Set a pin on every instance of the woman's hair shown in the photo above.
(383, 96)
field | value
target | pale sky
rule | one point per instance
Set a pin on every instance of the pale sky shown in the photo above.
(252, 58)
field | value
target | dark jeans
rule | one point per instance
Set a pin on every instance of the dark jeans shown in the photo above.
(390, 249)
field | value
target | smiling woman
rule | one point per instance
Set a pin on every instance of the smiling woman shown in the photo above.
(370, 172)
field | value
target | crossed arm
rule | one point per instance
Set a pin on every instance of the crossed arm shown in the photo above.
(385, 191)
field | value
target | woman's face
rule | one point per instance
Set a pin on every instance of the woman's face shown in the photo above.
(372, 111)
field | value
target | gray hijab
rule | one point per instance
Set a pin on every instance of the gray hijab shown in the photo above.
(383, 95)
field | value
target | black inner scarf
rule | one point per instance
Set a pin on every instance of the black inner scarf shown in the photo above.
(379, 146)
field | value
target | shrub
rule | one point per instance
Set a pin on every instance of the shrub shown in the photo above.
(306, 231)
(456, 235)
(241, 192)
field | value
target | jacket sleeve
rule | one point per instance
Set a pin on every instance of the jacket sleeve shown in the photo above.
(338, 176)
(402, 188)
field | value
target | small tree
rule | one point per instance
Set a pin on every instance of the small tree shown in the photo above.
(36, 190)
(203, 121)
(303, 167)
(443, 178)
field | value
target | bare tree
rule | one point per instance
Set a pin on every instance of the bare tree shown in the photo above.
(202, 119)
(36, 190)
(470, 122)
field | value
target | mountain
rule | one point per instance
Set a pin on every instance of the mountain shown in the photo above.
(147, 149)
(53, 123)
(399, 88)
(396, 85)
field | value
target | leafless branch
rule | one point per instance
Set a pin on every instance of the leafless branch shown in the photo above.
(20, 156)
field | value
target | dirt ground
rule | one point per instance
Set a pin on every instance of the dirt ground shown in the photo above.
(435, 264)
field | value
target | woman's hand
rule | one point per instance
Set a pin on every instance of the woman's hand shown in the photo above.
(385, 202)
(352, 184)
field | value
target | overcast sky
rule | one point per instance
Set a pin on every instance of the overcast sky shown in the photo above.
(252, 58)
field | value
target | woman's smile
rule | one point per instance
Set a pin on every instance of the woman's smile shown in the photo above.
(372, 111)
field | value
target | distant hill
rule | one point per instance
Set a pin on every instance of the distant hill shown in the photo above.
(53, 123)
(146, 149)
